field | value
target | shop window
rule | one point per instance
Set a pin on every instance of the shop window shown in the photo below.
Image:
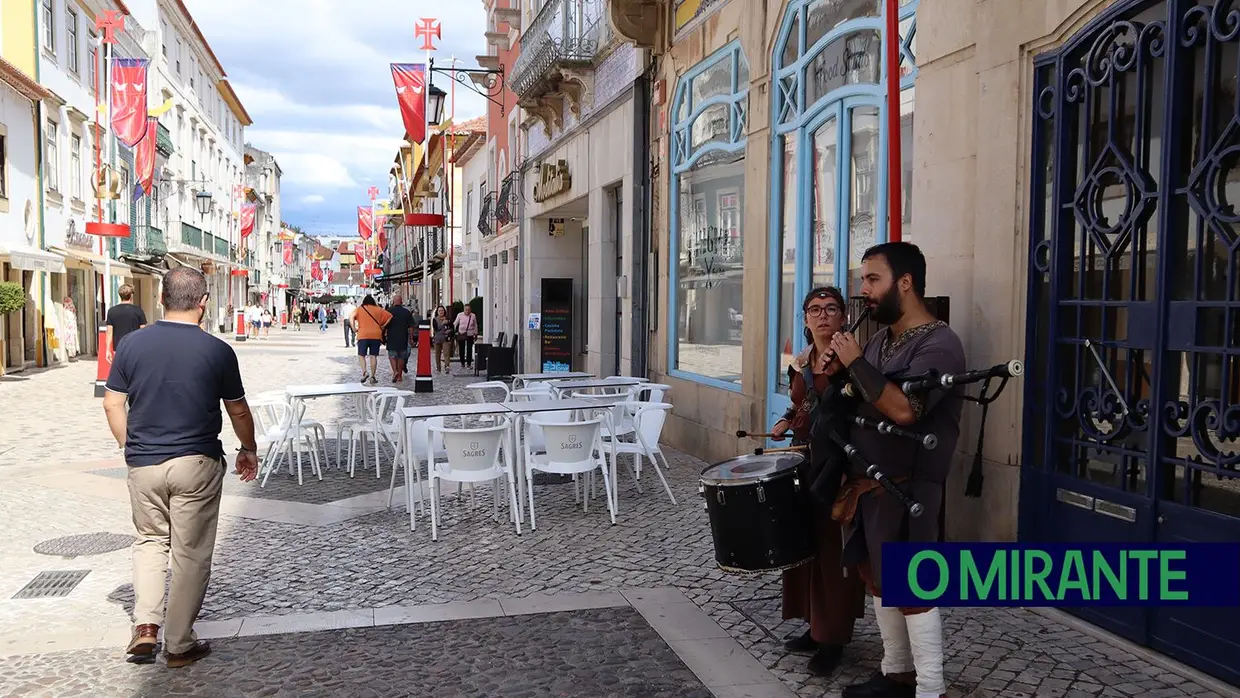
(706, 223)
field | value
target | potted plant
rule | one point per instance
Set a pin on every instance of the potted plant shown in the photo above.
(12, 297)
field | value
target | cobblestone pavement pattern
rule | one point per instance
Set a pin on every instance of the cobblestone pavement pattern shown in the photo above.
(265, 567)
(598, 653)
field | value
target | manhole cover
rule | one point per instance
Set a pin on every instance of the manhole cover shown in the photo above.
(84, 544)
(51, 584)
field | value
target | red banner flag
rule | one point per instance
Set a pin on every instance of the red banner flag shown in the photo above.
(382, 240)
(288, 253)
(410, 79)
(316, 274)
(144, 156)
(330, 275)
(129, 99)
(360, 252)
(365, 222)
(248, 213)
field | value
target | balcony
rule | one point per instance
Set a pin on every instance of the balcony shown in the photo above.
(557, 57)
(145, 243)
(191, 236)
(504, 213)
(163, 142)
(487, 215)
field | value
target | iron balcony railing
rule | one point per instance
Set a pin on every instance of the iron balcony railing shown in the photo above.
(566, 33)
(221, 247)
(191, 236)
(487, 215)
(163, 141)
(144, 241)
(504, 205)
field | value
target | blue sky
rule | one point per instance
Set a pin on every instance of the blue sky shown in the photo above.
(314, 76)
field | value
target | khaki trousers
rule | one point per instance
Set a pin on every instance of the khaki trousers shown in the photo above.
(176, 507)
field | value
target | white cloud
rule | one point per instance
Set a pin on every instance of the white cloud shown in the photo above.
(314, 75)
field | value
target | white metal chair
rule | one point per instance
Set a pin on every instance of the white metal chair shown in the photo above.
(535, 391)
(571, 448)
(480, 390)
(651, 392)
(648, 419)
(275, 422)
(472, 456)
(418, 439)
(379, 407)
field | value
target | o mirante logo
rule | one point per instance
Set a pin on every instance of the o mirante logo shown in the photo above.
(1056, 574)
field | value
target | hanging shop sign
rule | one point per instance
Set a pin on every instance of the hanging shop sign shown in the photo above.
(553, 180)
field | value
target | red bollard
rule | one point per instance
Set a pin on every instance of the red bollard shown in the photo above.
(241, 328)
(102, 366)
(284, 319)
(423, 382)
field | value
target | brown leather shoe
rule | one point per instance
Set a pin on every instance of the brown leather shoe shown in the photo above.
(145, 637)
(198, 650)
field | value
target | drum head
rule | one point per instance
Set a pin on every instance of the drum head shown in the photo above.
(750, 468)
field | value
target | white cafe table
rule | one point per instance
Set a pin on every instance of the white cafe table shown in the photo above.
(298, 394)
(424, 412)
(563, 387)
(603, 403)
(528, 378)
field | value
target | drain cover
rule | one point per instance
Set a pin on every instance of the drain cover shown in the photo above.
(84, 544)
(52, 584)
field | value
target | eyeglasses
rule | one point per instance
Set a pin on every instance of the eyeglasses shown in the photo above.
(818, 310)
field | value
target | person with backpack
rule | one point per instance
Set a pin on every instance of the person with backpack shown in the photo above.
(369, 323)
(466, 326)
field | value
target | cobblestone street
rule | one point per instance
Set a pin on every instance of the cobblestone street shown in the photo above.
(320, 589)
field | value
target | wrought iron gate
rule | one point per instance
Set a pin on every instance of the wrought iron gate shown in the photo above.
(1133, 408)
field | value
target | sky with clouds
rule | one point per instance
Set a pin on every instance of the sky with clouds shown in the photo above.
(314, 76)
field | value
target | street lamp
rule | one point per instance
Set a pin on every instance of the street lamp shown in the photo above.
(202, 200)
(434, 105)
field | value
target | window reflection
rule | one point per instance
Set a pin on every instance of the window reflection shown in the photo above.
(825, 212)
(710, 268)
(862, 204)
(787, 285)
(853, 59)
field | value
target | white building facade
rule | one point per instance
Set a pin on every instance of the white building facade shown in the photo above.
(21, 260)
(263, 189)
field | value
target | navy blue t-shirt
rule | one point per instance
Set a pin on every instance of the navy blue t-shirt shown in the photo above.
(175, 376)
(398, 328)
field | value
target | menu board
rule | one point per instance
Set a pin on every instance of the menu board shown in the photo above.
(557, 325)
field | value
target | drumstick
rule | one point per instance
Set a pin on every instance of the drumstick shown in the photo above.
(761, 451)
(742, 434)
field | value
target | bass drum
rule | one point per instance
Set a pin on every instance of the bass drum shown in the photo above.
(760, 514)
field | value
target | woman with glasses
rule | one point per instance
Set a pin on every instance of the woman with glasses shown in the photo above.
(818, 591)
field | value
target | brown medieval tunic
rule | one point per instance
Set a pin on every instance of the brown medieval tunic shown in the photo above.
(869, 516)
(818, 591)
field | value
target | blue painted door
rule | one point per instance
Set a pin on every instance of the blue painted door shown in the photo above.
(833, 162)
(1132, 413)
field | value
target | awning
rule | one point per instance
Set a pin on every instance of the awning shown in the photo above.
(33, 259)
(82, 259)
(141, 268)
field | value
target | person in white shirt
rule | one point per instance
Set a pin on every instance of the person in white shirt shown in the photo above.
(254, 317)
(466, 326)
(346, 318)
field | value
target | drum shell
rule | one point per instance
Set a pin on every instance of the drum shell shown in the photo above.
(762, 526)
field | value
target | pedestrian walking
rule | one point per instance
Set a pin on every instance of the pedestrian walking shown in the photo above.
(163, 407)
(440, 340)
(346, 319)
(369, 322)
(322, 319)
(466, 326)
(254, 316)
(123, 318)
(295, 312)
(400, 329)
(267, 319)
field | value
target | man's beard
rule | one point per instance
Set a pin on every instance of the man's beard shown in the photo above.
(888, 311)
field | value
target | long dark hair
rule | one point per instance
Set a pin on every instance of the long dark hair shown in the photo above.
(369, 300)
(821, 292)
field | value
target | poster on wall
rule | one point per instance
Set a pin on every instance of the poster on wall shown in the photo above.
(557, 325)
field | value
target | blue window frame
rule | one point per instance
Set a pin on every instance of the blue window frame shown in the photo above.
(706, 243)
(829, 157)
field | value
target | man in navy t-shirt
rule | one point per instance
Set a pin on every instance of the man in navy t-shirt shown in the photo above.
(398, 334)
(163, 406)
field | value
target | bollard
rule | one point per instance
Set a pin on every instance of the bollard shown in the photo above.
(242, 330)
(102, 366)
(424, 382)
